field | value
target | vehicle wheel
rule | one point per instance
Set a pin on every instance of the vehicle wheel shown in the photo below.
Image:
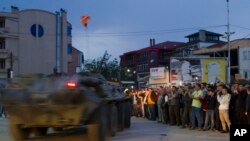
(40, 131)
(97, 126)
(127, 122)
(111, 120)
(18, 133)
(121, 116)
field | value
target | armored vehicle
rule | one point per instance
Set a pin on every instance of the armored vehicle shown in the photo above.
(63, 102)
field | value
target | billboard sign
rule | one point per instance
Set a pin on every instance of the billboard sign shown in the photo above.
(192, 70)
(156, 73)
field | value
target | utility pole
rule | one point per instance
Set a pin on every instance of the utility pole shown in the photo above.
(228, 46)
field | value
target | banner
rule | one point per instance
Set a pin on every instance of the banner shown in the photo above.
(193, 70)
(185, 70)
(214, 70)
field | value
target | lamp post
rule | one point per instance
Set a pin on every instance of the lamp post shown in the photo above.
(128, 70)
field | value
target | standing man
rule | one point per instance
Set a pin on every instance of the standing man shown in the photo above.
(151, 104)
(187, 106)
(211, 101)
(224, 100)
(165, 106)
(174, 109)
(248, 106)
(197, 96)
(159, 106)
(240, 104)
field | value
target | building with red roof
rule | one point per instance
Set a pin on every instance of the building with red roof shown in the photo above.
(137, 63)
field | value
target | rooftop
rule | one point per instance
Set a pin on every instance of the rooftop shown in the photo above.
(168, 45)
(205, 31)
(238, 43)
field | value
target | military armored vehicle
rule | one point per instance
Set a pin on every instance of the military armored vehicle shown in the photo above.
(63, 102)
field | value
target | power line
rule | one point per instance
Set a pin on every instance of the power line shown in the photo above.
(133, 33)
(152, 31)
(241, 27)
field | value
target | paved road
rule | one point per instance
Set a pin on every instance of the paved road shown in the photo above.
(141, 130)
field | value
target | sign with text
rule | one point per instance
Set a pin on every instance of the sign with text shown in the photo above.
(239, 132)
(156, 73)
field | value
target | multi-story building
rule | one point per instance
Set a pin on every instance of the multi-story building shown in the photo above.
(76, 64)
(198, 40)
(239, 52)
(137, 64)
(34, 41)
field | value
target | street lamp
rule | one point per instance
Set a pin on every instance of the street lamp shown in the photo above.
(128, 70)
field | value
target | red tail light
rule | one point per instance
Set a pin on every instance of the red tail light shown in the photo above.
(13, 85)
(71, 84)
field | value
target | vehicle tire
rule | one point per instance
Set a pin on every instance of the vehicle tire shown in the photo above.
(111, 120)
(39, 132)
(97, 126)
(121, 116)
(18, 133)
(127, 122)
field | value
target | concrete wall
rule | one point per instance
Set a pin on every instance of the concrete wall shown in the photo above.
(76, 61)
(33, 54)
(64, 42)
(244, 62)
(37, 54)
(204, 44)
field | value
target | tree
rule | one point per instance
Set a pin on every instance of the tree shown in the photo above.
(108, 68)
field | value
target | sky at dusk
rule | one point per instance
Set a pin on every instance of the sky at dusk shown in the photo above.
(120, 26)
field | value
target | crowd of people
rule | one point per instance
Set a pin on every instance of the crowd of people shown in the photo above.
(202, 106)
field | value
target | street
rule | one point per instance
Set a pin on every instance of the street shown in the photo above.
(141, 130)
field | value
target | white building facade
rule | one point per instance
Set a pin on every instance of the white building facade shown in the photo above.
(34, 41)
(244, 62)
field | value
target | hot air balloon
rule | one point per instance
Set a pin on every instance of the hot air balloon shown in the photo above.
(85, 20)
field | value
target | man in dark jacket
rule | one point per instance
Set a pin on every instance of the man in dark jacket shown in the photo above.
(217, 116)
(232, 110)
(187, 106)
(240, 104)
(248, 106)
(174, 110)
(211, 101)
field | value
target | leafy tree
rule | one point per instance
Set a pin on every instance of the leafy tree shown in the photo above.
(110, 69)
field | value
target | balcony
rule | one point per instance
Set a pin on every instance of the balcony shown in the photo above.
(4, 53)
(5, 32)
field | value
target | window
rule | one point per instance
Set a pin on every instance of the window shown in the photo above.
(82, 56)
(69, 29)
(37, 30)
(2, 45)
(245, 74)
(248, 55)
(2, 63)
(69, 49)
(2, 24)
(146, 67)
(244, 55)
(195, 38)
(248, 75)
